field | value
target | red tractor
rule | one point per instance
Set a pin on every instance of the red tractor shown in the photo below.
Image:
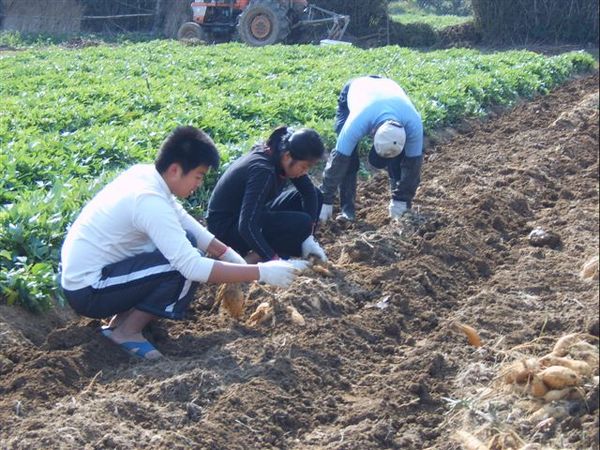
(259, 22)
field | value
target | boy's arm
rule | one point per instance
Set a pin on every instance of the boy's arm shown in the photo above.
(204, 238)
(207, 242)
(277, 273)
(223, 272)
(216, 248)
(155, 217)
(224, 253)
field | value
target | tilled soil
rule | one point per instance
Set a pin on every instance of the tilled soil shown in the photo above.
(378, 363)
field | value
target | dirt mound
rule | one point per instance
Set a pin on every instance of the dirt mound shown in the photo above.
(378, 363)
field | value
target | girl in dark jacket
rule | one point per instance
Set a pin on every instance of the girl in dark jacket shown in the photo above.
(249, 209)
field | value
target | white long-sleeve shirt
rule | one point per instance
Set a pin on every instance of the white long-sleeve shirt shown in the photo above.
(134, 214)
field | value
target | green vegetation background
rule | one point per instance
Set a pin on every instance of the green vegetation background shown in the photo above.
(410, 12)
(71, 119)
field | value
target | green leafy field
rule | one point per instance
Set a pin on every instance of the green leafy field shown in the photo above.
(70, 119)
(409, 12)
(434, 21)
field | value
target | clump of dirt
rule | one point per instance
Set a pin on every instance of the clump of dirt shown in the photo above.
(377, 362)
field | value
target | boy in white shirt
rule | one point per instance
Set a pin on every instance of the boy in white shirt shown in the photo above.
(132, 253)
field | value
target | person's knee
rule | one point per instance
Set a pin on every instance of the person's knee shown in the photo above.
(78, 306)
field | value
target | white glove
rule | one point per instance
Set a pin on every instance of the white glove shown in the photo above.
(231, 256)
(312, 247)
(326, 213)
(299, 264)
(397, 208)
(280, 273)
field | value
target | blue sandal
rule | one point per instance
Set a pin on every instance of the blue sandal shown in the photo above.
(137, 349)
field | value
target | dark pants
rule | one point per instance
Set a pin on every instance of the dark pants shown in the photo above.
(284, 225)
(146, 282)
(404, 172)
(348, 184)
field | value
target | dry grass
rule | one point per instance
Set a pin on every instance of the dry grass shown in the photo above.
(494, 415)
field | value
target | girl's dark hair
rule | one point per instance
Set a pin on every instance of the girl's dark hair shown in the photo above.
(304, 144)
(189, 147)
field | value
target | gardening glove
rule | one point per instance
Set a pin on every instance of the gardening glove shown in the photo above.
(280, 273)
(231, 256)
(397, 208)
(299, 264)
(312, 247)
(326, 213)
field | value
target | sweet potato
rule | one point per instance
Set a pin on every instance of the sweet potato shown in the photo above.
(562, 346)
(537, 387)
(589, 272)
(549, 410)
(587, 352)
(589, 357)
(468, 441)
(231, 299)
(470, 332)
(263, 312)
(557, 394)
(521, 371)
(580, 367)
(296, 317)
(322, 271)
(559, 377)
(583, 347)
(319, 267)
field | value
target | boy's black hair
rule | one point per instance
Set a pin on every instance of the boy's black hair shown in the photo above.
(304, 144)
(189, 147)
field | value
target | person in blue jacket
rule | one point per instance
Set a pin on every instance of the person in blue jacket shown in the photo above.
(377, 107)
(251, 211)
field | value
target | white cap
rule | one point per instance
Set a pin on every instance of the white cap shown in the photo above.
(389, 139)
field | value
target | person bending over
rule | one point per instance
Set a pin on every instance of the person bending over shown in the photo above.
(376, 107)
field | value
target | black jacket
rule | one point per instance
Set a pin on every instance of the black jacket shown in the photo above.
(242, 195)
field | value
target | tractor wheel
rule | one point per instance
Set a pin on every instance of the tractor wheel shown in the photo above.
(263, 22)
(191, 31)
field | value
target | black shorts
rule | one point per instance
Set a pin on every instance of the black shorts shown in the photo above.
(146, 282)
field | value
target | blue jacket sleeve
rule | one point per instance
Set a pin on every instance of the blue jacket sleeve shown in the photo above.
(414, 139)
(357, 126)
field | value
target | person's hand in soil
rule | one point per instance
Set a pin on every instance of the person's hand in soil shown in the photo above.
(311, 247)
(280, 273)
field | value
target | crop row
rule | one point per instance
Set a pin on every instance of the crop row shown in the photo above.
(70, 119)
